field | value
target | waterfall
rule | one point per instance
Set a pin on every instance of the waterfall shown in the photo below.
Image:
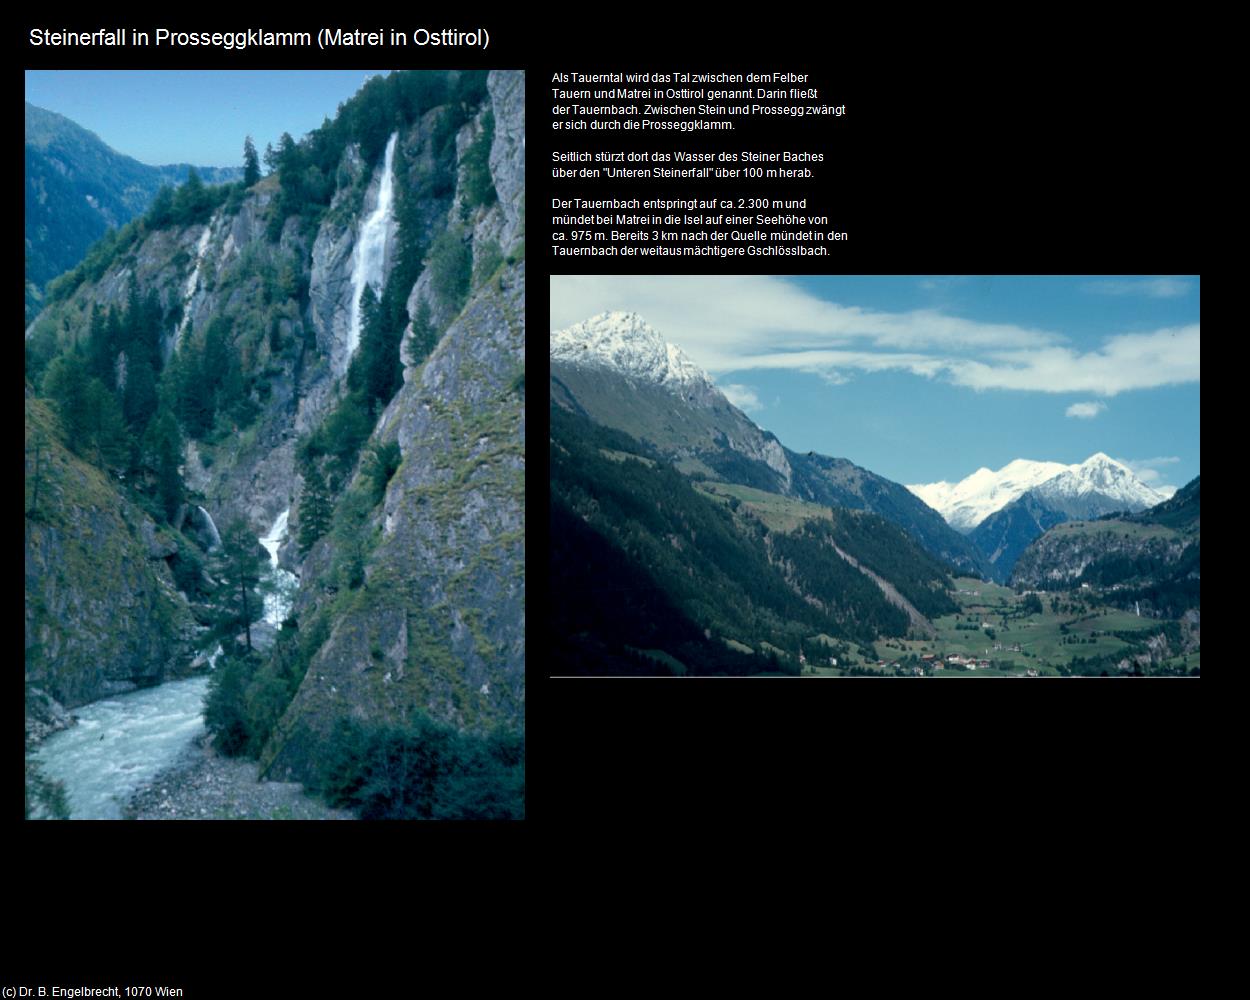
(278, 600)
(369, 254)
(193, 282)
(276, 536)
(212, 528)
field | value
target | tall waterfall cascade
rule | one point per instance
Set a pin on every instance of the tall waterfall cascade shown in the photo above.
(193, 282)
(369, 253)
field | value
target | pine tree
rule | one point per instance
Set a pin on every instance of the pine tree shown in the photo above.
(39, 447)
(232, 390)
(139, 400)
(422, 339)
(238, 567)
(163, 445)
(161, 211)
(251, 163)
(191, 200)
(193, 392)
(65, 383)
(108, 434)
(99, 350)
(315, 508)
(115, 337)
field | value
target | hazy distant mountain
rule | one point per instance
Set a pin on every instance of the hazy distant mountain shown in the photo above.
(620, 372)
(77, 187)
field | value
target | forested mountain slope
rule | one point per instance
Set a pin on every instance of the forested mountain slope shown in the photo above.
(77, 188)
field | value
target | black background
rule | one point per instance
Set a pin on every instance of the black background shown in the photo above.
(973, 144)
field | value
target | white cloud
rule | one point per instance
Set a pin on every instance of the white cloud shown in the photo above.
(1130, 361)
(1155, 288)
(717, 319)
(1146, 470)
(742, 396)
(743, 322)
(1085, 410)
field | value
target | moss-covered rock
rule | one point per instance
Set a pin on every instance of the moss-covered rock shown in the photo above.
(102, 612)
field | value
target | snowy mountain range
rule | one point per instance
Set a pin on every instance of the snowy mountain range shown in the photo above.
(1100, 481)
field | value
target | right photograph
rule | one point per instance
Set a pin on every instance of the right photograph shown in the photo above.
(886, 476)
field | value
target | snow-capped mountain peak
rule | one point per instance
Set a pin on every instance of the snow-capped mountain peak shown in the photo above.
(1103, 475)
(970, 501)
(629, 345)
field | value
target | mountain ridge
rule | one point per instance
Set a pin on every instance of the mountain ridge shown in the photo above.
(78, 187)
(619, 371)
(969, 502)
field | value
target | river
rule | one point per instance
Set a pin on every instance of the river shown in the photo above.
(122, 742)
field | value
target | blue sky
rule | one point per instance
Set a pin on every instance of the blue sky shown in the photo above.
(199, 117)
(925, 378)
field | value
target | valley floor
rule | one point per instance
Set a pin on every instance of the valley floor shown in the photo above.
(993, 626)
(205, 785)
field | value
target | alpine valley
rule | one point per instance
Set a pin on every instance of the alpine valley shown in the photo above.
(275, 477)
(687, 540)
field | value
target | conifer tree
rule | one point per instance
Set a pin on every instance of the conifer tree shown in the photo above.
(161, 211)
(65, 383)
(238, 567)
(139, 399)
(107, 426)
(191, 199)
(251, 163)
(163, 445)
(315, 508)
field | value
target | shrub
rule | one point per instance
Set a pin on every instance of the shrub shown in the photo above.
(489, 257)
(380, 465)
(477, 184)
(450, 263)
(225, 707)
(424, 770)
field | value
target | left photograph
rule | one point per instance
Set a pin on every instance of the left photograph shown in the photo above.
(274, 445)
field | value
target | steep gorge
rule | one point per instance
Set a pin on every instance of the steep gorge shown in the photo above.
(435, 619)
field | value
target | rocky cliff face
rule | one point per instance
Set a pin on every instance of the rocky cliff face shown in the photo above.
(102, 613)
(439, 623)
(1062, 554)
